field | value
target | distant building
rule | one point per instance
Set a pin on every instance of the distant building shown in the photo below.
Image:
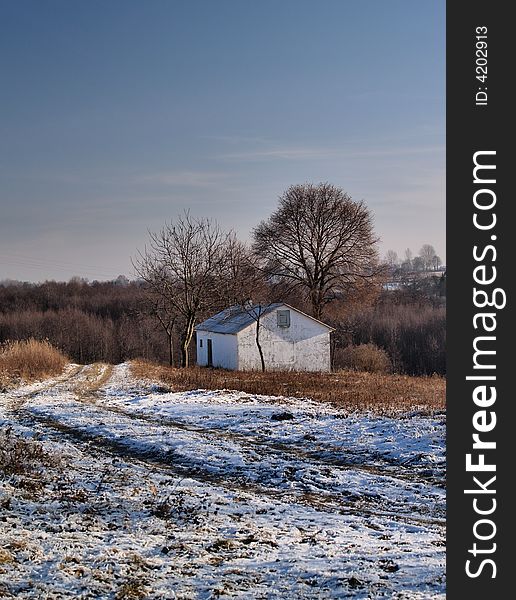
(290, 340)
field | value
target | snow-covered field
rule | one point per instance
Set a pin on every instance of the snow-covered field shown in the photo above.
(211, 494)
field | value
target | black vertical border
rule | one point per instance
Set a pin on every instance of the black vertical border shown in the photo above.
(472, 128)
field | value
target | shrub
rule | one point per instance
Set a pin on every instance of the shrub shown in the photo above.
(19, 456)
(364, 357)
(30, 360)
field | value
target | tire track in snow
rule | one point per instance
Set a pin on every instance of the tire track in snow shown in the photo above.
(16, 399)
(323, 456)
(158, 461)
(122, 447)
(382, 466)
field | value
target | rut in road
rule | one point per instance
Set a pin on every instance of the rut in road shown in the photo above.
(321, 455)
(90, 443)
(82, 386)
(76, 371)
(377, 465)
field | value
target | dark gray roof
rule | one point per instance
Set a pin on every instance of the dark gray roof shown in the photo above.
(235, 318)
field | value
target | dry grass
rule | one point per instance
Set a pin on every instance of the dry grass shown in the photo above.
(351, 390)
(20, 456)
(29, 360)
(95, 379)
(132, 590)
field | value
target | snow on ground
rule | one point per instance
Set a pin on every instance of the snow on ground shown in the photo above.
(210, 494)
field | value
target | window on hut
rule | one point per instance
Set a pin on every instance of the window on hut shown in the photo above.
(283, 318)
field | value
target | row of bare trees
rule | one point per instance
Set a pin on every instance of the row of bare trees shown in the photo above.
(409, 326)
(426, 260)
(88, 321)
(108, 322)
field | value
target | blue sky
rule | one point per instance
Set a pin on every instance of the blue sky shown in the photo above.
(118, 115)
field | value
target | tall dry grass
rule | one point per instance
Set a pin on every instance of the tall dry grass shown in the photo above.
(350, 390)
(29, 360)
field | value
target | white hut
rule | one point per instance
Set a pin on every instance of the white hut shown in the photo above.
(290, 339)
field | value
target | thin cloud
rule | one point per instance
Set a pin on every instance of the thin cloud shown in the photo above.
(183, 179)
(180, 178)
(317, 153)
(280, 153)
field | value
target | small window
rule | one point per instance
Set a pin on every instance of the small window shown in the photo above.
(200, 343)
(283, 318)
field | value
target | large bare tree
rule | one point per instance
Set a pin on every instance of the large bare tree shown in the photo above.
(320, 240)
(184, 264)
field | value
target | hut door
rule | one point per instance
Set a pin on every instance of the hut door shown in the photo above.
(210, 353)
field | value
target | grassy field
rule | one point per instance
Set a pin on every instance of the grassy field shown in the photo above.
(350, 390)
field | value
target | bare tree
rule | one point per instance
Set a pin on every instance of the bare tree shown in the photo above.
(418, 264)
(427, 254)
(320, 240)
(184, 263)
(407, 264)
(391, 258)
